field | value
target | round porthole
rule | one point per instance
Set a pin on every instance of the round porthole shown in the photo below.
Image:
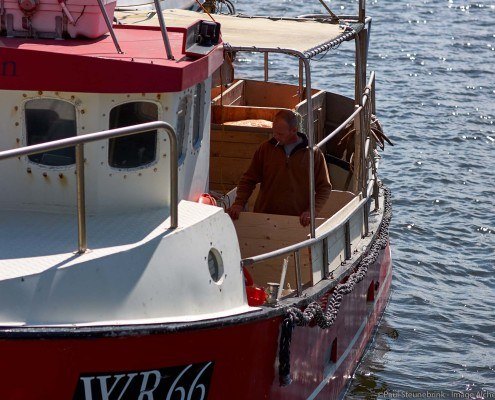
(215, 265)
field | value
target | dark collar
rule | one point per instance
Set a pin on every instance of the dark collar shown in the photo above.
(301, 145)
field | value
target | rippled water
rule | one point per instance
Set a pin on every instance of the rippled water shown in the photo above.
(436, 98)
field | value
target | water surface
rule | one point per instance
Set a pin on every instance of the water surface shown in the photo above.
(436, 99)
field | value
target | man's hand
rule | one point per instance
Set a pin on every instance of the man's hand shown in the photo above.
(234, 211)
(305, 218)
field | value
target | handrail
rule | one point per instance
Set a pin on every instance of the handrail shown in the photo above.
(364, 99)
(301, 245)
(308, 242)
(79, 142)
(340, 127)
(368, 89)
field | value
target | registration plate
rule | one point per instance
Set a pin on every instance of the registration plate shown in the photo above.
(185, 382)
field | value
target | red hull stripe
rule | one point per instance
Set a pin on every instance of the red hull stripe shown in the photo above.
(94, 66)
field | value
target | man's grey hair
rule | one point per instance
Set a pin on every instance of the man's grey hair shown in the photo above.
(288, 116)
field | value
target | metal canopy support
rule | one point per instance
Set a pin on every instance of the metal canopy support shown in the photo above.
(297, 264)
(311, 145)
(163, 29)
(301, 80)
(109, 26)
(362, 127)
(362, 10)
(266, 66)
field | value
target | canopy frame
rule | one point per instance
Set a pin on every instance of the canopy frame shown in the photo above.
(304, 59)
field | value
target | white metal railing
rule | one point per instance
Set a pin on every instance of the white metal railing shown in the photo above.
(79, 142)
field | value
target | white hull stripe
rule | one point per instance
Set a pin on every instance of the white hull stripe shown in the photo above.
(331, 371)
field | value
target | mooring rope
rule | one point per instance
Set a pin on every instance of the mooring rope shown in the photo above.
(314, 312)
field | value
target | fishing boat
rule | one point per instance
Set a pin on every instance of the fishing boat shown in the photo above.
(121, 274)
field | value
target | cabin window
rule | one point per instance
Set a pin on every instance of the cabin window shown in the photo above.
(135, 150)
(199, 99)
(183, 125)
(48, 120)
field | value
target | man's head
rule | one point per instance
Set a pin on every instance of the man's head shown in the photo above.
(285, 127)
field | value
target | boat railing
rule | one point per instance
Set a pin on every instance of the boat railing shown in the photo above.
(362, 118)
(80, 141)
(368, 98)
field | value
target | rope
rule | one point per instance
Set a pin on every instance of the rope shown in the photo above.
(205, 10)
(325, 316)
(332, 14)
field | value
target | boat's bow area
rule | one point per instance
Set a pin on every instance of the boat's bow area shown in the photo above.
(137, 269)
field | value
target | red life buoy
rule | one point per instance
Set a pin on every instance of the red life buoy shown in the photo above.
(248, 279)
(207, 198)
(256, 296)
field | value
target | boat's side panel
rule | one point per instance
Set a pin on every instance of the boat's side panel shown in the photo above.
(242, 359)
(318, 369)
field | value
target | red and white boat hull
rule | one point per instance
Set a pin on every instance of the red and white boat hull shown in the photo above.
(224, 359)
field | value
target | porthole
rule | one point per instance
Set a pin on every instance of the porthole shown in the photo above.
(215, 265)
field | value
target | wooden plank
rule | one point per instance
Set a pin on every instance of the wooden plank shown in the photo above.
(338, 177)
(215, 91)
(285, 228)
(316, 257)
(240, 136)
(221, 114)
(338, 217)
(319, 114)
(337, 200)
(271, 94)
(336, 249)
(261, 233)
(227, 169)
(356, 227)
(271, 270)
(233, 149)
(234, 94)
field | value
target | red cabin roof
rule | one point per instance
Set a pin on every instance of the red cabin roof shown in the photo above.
(94, 66)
